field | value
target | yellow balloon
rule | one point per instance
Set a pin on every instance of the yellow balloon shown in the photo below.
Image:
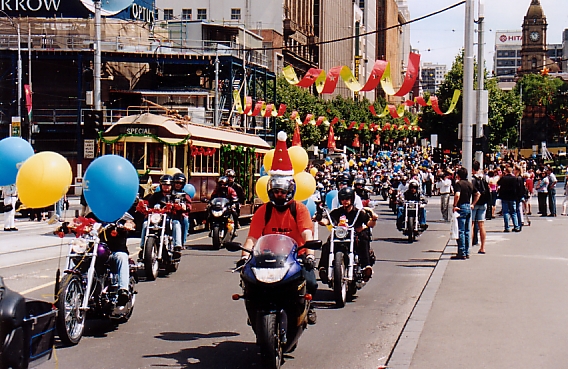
(314, 171)
(267, 161)
(305, 186)
(172, 171)
(43, 179)
(261, 188)
(299, 158)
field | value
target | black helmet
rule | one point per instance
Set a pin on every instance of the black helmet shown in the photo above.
(166, 179)
(223, 181)
(359, 181)
(230, 173)
(344, 178)
(346, 193)
(285, 183)
(179, 178)
(413, 183)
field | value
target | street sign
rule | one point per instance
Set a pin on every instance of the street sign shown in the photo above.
(89, 149)
(16, 126)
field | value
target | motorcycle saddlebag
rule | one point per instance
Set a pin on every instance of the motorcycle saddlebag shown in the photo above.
(12, 313)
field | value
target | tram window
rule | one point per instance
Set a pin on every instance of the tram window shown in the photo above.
(155, 156)
(135, 154)
(118, 148)
(179, 158)
(205, 163)
(258, 162)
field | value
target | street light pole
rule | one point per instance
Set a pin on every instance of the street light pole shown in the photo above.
(468, 115)
(97, 61)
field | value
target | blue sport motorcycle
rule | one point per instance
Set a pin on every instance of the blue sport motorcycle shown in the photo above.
(274, 290)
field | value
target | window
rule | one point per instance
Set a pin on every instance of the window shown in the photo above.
(168, 14)
(186, 14)
(135, 154)
(235, 14)
(201, 14)
(205, 160)
(155, 156)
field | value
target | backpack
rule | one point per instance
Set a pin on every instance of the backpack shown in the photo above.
(270, 206)
(482, 187)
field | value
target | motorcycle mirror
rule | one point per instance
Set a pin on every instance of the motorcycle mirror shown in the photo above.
(232, 246)
(313, 245)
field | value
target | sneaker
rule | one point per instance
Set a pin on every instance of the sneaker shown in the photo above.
(14, 229)
(312, 316)
(457, 257)
(516, 229)
(506, 230)
(123, 297)
(424, 226)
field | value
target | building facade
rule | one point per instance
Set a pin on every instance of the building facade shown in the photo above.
(533, 50)
(431, 76)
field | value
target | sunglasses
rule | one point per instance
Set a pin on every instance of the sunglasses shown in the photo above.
(279, 191)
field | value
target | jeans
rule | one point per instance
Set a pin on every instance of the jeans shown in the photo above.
(510, 211)
(542, 196)
(120, 261)
(184, 229)
(59, 208)
(444, 206)
(176, 233)
(464, 226)
(552, 201)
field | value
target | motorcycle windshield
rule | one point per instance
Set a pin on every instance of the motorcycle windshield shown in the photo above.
(273, 250)
(219, 202)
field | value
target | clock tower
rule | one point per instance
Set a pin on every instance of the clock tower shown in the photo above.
(533, 51)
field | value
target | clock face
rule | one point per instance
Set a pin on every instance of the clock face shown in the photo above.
(534, 36)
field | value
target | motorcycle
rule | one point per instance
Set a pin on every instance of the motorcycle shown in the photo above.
(27, 331)
(90, 283)
(411, 227)
(385, 187)
(220, 221)
(274, 290)
(158, 247)
(344, 273)
(393, 194)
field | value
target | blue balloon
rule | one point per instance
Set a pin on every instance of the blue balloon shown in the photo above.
(189, 189)
(263, 171)
(13, 152)
(311, 205)
(110, 186)
(329, 198)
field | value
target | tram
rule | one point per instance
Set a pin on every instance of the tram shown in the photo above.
(156, 143)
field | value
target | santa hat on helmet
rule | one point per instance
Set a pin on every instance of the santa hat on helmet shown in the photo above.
(281, 163)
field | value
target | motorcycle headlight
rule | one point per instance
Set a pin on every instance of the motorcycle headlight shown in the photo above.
(78, 246)
(341, 232)
(217, 213)
(155, 218)
(269, 275)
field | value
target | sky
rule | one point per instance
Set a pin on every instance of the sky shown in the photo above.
(440, 37)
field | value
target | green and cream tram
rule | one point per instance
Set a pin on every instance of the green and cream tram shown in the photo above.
(155, 144)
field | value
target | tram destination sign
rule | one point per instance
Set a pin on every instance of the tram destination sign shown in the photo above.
(138, 131)
(141, 10)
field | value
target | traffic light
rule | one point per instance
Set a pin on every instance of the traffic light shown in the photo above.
(92, 123)
(437, 156)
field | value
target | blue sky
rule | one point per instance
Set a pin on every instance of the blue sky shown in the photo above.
(439, 38)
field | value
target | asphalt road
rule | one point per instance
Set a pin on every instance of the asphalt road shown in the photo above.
(187, 319)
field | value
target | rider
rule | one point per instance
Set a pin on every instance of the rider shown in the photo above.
(179, 194)
(224, 190)
(412, 194)
(365, 220)
(344, 180)
(230, 174)
(360, 190)
(161, 198)
(282, 206)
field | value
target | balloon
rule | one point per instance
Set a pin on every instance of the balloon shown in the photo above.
(305, 186)
(311, 205)
(261, 188)
(314, 171)
(14, 151)
(329, 198)
(189, 189)
(43, 179)
(110, 187)
(172, 171)
(299, 158)
(263, 171)
(267, 161)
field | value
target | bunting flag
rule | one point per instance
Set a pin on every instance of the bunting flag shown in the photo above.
(257, 108)
(296, 141)
(28, 93)
(378, 140)
(380, 73)
(331, 139)
(308, 119)
(266, 110)
(351, 125)
(361, 126)
(260, 108)
(356, 141)
(320, 120)
(334, 120)
(432, 101)
(281, 110)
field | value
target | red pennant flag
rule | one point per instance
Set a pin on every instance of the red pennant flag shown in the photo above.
(361, 126)
(268, 111)
(281, 110)
(356, 141)
(296, 141)
(248, 105)
(372, 109)
(334, 120)
(352, 125)
(331, 139)
(308, 119)
(420, 101)
(320, 120)
(406, 120)
(378, 140)
(257, 108)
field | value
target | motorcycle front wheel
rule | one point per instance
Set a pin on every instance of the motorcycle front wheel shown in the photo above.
(410, 229)
(151, 264)
(339, 281)
(267, 331)
(216, 235)
(70, 321)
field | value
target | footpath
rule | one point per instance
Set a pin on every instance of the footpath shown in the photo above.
(504, 309)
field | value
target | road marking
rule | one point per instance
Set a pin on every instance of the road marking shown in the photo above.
(37, 288)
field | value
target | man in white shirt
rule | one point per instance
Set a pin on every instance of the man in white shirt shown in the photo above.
(445, 186)
(10, 196)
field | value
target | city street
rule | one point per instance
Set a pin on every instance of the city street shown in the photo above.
(188, 318)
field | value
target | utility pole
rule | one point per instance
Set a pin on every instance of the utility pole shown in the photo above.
(216, 111)
(482, 96)
(468, 115)
(97, 61)
(30, 79)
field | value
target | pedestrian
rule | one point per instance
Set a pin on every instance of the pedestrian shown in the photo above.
(84, 206)
(10, 196)
(464, 192)
(541, 186)
(493, 179)
(521, 195)
(551, 191)
(478, 213)
(529, 183)
(444, 186)
(508, 195)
